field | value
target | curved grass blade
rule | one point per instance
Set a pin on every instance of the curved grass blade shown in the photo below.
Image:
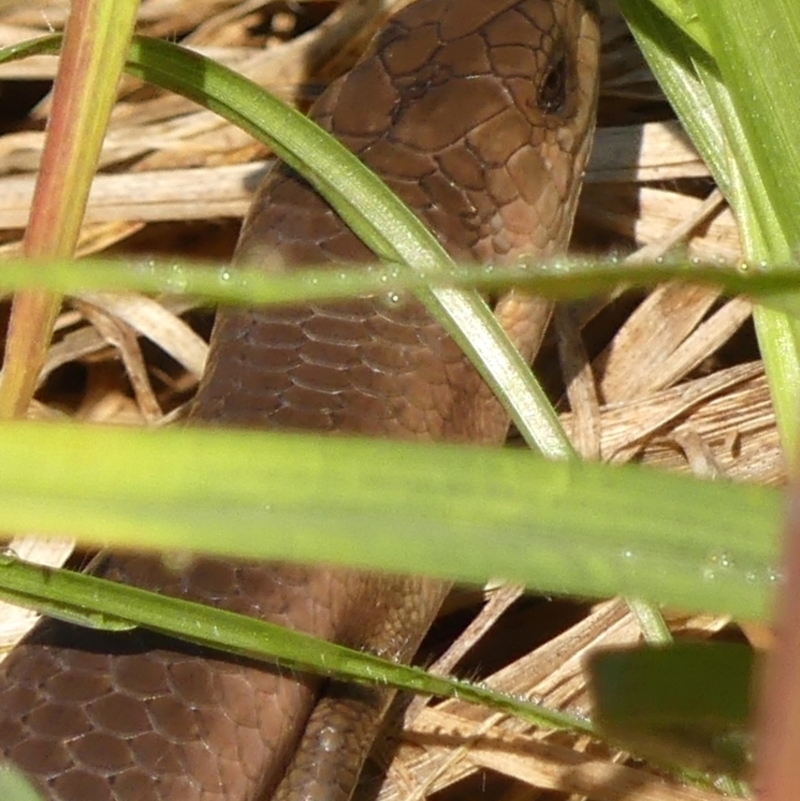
(364, 202)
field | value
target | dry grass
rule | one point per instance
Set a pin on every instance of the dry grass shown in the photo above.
(671, 379)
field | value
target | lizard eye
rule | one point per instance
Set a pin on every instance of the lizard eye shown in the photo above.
(553, 89)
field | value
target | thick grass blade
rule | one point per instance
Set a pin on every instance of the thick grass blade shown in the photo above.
(455, 512)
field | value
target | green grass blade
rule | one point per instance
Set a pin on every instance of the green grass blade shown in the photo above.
(459, 513)
(14, 786)
(684, 14)
(120, 605)
(567, 279)
(688, 704)
(740, 101)
(364, 202)
(375, 214)
(674, 57)
(766, 99)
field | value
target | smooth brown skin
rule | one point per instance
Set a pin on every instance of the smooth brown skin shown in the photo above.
(479, 114)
